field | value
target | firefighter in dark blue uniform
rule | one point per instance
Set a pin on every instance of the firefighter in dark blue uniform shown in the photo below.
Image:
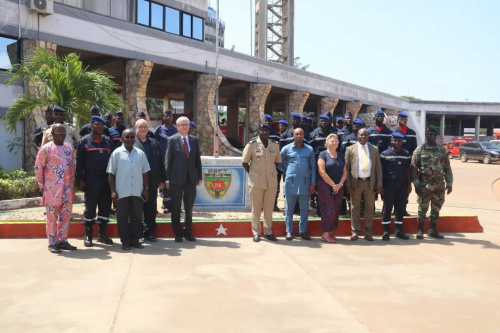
(92, 156)
(317, 142)
(339, 123)
(380, 135)
(115, 132)
(352, 138)
(347, 129)
(283, 128)
(397, 185)
(287, 137)
(410, 138)
(87, 128)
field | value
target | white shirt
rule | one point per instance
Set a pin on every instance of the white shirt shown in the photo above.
(362, 174)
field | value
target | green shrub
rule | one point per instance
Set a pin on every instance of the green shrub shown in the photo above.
(19, 188)
(15, 174)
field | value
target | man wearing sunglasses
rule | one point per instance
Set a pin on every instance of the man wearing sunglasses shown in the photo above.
(431, 175)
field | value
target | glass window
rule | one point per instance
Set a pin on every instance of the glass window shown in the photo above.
(4, 56)
(186, 25)
(172, 20)
(156, 15)
(143, 12)
(197, 28)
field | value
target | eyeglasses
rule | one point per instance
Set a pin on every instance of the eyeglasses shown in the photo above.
(129, 136)
(182, 125)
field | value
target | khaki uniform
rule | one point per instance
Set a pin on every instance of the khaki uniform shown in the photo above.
(72, 136)
(262, 180)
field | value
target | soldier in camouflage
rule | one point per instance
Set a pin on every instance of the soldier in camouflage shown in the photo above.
(431, 175)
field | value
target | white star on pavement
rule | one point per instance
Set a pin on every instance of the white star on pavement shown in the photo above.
(221, 230)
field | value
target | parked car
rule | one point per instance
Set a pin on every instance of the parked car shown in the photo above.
(484, 152)
(454, 145)
(496, 142)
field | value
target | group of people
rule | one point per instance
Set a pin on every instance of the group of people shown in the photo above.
(117, 166)
(127, 167)
(332, 162)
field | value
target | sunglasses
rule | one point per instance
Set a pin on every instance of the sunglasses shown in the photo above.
(129, 136)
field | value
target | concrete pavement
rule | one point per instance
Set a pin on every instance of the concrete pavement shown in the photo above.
(235, 285)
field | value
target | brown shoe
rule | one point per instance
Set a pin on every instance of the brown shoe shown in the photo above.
(369, 238)
(354, 237)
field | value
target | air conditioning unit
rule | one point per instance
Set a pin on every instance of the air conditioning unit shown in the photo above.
(44, 7)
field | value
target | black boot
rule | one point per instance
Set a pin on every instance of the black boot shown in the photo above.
(387, 232)
(103, 237)
(87, 240)
(420, 232)
(399, 232)
(433, 232)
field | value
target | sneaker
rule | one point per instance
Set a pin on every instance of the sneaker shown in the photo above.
(66, 246)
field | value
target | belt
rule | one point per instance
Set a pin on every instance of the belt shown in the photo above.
(396, 182)
(366, 178)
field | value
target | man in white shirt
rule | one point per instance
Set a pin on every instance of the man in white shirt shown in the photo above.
(364, 180)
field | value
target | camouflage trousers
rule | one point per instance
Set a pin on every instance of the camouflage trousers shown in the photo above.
(436, 199)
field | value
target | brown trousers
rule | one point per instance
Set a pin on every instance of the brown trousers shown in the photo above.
(362, 190)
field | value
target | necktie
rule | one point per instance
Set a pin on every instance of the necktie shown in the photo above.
(364, 160)
(186, 149)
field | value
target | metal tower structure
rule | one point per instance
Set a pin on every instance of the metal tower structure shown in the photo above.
(274, 25)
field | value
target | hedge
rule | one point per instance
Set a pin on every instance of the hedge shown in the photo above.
(17, 184)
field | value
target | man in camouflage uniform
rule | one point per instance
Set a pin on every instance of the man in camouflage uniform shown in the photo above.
(431, 175)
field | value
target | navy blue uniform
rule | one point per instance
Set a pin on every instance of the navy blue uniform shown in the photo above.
(382, 140)
(348, 141)
(317, 140)
(410, 139)
(115, 134)
(395, 168)
(345, 131)
(92, 159)
(87, 129)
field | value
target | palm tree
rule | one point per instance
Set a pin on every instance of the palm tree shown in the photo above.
(62, 81)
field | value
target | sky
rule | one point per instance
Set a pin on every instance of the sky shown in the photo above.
(433, 50)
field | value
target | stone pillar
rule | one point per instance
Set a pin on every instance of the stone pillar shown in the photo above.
(36, 117)
(137, 73)
(205, 118)
(232, 119)
(478, 127)
(258, 96)
(353, 107)
(297, 100)
(392, 117)
(460, 129)
(441, 125)
(328, 104)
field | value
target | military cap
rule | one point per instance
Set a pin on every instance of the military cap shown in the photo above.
(94, 109)
(192, 124)
(304, 117)
(339, 119)
(168, 111)
(59, 109)
(97, 118)
(324, 116)
(119, 114)
(430, 129)
(264, 125)
(296, 115)
(397, 135)
(379, 112)
(141, 114)
(358, 121)
(49, 109)
(108, 115)
(402, 115)
(268, 117)
(284, 122)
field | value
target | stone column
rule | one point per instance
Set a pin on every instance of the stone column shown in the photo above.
(328, 104)
(205, 118)
(353, 107)
(258, 96)
(460, 129)
(232, 119)
(368, 114)
(36, 117)
(478, 127)
(137, 73)
(297, 100)
(441, 125)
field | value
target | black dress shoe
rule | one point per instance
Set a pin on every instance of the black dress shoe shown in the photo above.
(289, 236)
(54, 249)
(304, 236)
(137, 245)
(178, 239)
(66, 246)
(151, 238)
(271, 237)
(256, 238)
(190, 238)
(126, 247)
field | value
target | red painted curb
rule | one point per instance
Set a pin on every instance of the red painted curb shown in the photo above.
(243, 228)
